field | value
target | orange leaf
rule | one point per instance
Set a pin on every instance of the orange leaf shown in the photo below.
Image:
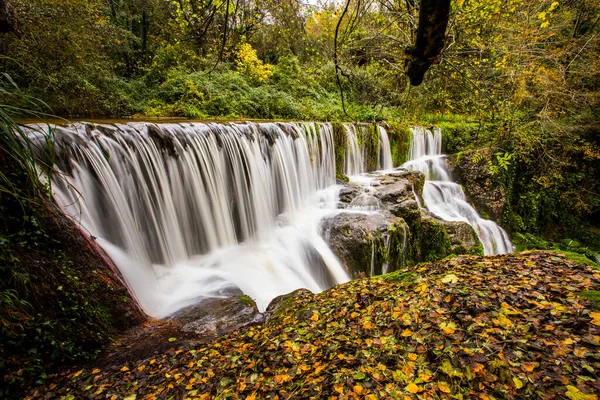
(414, 389)
(528, 366)
(444, 387)
(358, 389)
(315, 317)
(406, 333)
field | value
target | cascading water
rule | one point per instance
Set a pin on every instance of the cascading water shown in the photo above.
(353, 157)
(384, 152)
(445, 199)
(197, 210)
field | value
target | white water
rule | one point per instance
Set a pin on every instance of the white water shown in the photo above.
(384, 152)
(198, 210)
(445, 199)
(353, 156)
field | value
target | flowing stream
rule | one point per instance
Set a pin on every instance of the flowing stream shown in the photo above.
(445, 199)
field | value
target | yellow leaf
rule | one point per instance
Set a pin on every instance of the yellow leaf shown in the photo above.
(412, 357)
(424, 377)
(252, 396)
(595, 318)
(575, 394)
(315, 317)
(406, 333)
(568, 341)
(124, 369)
(450, 278)
(339, 388)
(95, 371)
(518, 383)
(76, 374)
(580, 352)
(414, 389)
(368, 325)
(443, 387)
(358, 389)
(448, 327)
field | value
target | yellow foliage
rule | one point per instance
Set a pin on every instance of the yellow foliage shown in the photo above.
(249, 64)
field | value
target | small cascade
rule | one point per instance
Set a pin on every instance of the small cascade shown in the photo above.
(353, 156)
(197, 210)
(364, 202)
(445, 199)
(384, 152)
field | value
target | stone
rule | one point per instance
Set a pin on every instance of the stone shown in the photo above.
(463, 238)
(218, 316)
(365, 242)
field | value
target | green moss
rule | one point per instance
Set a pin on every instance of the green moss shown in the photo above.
(593, 296)
(400, 276)
(247, 300)
(400, 137)
(341, 177)
(435, 243)
(579, 259)
(339, 137)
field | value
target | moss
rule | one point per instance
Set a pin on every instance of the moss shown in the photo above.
(339, 137)
(579, 259)
(341, 177)
(247, 300)
(400, 137)
(593, 296)
(435, 242)
(400, 276)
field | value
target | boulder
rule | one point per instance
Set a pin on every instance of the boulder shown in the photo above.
(463, 238)
(367, 243)
(218, 316)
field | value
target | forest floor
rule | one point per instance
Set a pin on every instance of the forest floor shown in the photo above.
(513, 326)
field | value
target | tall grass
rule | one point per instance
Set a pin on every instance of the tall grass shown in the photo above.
(23, 149)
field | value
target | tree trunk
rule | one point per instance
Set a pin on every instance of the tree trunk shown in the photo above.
(431, 33)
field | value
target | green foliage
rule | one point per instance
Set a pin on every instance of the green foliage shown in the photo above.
(59, 300)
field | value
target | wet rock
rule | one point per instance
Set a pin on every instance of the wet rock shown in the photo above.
(463, 238)
(366, 243)
(218, 316)
(347, 194)
(481, 187)
(280, 303)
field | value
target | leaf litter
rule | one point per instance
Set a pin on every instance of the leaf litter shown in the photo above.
(502, 327)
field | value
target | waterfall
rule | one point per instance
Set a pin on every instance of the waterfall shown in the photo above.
(353, 156)
(445, 199)
(196, 210)
(384, 151)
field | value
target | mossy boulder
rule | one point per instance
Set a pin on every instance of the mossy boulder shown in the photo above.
(217, 316)
(367, 243)
(463, 238)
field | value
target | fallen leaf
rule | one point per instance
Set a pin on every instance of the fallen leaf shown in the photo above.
(414, 389)
(450, 278)
(443, 387)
